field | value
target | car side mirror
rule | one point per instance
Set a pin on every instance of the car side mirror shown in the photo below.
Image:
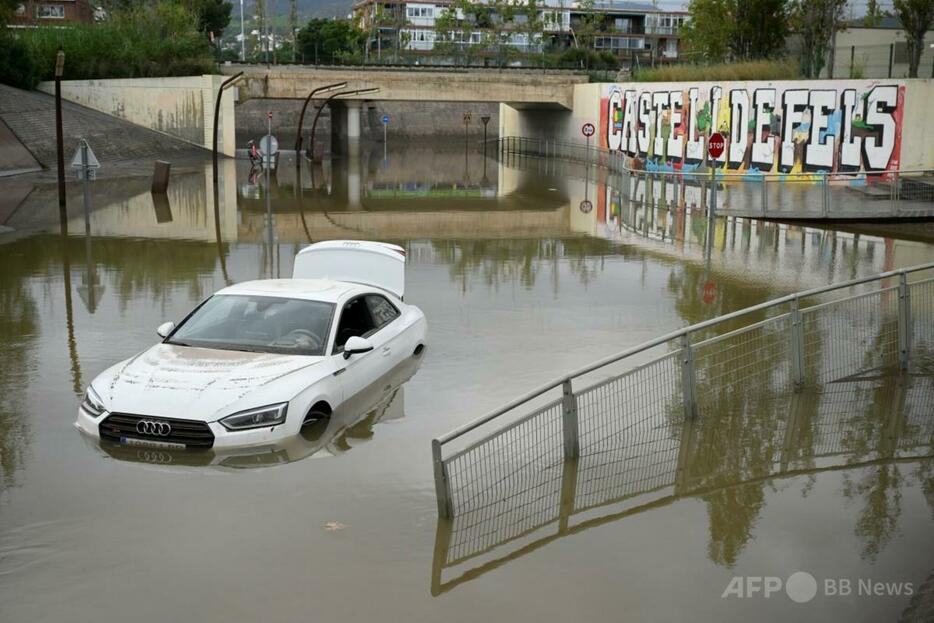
(165, 328)
(357, 345)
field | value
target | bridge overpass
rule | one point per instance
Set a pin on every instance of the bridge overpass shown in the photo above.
(515, 87)
(520, 89)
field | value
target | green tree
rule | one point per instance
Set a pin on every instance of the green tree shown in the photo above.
(213, 15)
(759, 29)
(874, 14)
(721, 30)
(6, 10)
(331, 39)
(146, 40)
(915, 17)
(448, 32)
(816, 21)
(706, 35)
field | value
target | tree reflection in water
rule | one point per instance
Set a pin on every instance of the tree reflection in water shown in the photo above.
(877, 433)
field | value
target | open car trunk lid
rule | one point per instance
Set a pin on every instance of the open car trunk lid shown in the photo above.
(378, 264)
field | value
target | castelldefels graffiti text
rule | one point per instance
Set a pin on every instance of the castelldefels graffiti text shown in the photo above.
(769, 127)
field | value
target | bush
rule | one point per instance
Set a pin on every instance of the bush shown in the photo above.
(17, 66)
(586, 58)
(751, 70)
(147, 40)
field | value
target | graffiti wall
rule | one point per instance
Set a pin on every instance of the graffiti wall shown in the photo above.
(846, 126)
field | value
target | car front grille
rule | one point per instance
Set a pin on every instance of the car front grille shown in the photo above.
(193, 434)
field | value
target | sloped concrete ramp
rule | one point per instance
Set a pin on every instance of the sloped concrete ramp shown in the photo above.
(14, 157)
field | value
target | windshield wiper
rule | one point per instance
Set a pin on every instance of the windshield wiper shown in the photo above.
(174, 343)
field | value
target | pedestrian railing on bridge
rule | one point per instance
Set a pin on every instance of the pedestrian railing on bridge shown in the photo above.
(629, 402)
(890, 194)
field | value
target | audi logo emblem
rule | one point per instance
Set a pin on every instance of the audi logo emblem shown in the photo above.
(153, 427)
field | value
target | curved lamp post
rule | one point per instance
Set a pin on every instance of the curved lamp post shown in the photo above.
(217, 212)
(311, 145)
(301, 118)
(217, 112)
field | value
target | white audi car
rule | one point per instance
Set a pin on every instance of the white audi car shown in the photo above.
(258, 360)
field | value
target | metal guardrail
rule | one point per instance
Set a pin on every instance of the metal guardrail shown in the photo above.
(782, 345)
(841, 426)
(903, 193)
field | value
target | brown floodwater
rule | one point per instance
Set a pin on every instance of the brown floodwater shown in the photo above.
(524, 273)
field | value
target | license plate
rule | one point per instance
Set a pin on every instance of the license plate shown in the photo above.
(132, 441)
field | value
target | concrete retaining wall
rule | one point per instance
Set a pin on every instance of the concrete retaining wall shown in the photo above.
(861, 125)
(180, 107)
(408, 121)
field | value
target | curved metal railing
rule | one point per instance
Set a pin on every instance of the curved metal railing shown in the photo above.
(779, 345)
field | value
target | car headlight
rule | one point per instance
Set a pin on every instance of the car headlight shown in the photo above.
(271, 415)
(92, 403)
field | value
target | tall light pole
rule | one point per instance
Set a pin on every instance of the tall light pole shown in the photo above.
(301, 118)
(264, 28)
(59, 139)
(242, 37)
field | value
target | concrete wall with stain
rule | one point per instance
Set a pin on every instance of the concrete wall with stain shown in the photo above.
(180, 107)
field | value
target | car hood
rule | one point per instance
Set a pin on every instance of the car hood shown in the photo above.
(197, 383)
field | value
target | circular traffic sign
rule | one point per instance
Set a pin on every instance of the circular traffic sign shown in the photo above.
(268, 145)
(588, 130)
(716, 145)
(385, 119)
(586, 206)
(709, 293)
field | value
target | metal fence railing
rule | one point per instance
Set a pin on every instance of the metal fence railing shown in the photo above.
(889, 194)
(861, 424)
(841, 331)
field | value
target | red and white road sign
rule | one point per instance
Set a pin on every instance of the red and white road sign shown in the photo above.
(716, 145)
(588, 130)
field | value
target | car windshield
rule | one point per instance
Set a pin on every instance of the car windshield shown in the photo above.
(262, 324)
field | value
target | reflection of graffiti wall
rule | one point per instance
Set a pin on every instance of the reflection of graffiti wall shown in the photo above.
(769, 127)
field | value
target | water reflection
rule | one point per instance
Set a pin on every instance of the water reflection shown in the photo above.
(519, 285)
(877, 433)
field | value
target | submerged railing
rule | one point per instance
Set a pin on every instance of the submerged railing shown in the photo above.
(903, 193)
(883, 322)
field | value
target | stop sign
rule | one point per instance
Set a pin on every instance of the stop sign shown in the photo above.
(715, 145)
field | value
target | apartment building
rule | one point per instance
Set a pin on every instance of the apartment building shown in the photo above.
(626, 29)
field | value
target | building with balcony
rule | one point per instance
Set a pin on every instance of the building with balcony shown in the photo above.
(631, 31)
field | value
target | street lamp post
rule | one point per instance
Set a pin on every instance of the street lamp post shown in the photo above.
(217, 112)
(242, 37)
(314, 124)
(301, 118)
(59, 139)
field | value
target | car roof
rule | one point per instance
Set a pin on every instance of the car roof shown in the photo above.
(325, 290)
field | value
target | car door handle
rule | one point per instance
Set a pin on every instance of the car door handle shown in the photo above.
(386, 351)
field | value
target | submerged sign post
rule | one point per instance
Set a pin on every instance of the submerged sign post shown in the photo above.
(86, 165)
(715, 146)
(588, 130)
